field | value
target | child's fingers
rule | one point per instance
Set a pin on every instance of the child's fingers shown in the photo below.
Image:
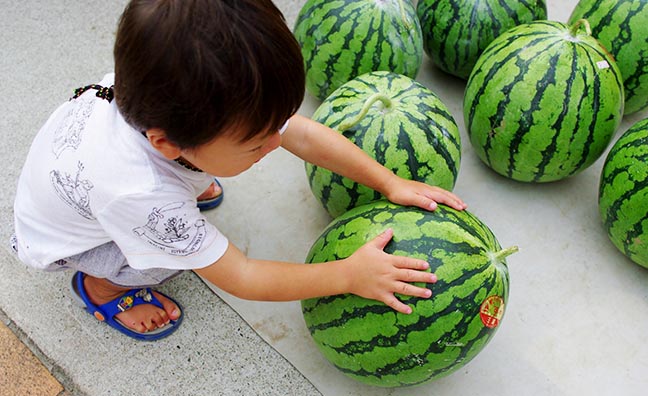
(397, 305)
(408, 262)
(410, 275)
(412, 270)
(455, 201)
(426, 202)
(444, 197)
(383, 239)
(407, 290)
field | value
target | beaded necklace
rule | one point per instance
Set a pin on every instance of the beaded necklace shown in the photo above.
(187, 165)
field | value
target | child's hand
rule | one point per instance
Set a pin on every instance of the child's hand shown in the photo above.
(378, 275)
(412, 193)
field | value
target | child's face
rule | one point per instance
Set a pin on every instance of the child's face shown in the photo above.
(225, 156)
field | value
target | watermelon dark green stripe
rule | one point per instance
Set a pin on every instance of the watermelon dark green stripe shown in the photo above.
(547, 153)
(455, 32)
(539, 106)
(623, 193)
(343, 39)
(622, 27)
(369, 341)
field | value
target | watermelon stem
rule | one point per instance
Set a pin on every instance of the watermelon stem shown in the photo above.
(386, 100)
(504, 253)
(581, 22)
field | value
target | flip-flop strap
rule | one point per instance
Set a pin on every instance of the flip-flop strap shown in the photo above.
(127, 301)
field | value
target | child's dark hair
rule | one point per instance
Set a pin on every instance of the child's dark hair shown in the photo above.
(199, 68)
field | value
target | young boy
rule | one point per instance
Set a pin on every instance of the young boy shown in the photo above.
(201, 88)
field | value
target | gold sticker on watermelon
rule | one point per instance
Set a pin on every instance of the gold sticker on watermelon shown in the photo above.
(491, 311)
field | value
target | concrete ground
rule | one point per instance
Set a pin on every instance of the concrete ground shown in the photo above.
(577, 307)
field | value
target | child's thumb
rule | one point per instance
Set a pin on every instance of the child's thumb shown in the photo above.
(383, 239)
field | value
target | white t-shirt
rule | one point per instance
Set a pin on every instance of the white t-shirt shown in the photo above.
(90, 178)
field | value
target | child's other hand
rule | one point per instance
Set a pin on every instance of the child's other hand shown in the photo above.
(412, 193)
(378, 275)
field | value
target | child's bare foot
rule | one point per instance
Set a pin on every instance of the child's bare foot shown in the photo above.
(141, 318)
(213, 191)
(212, 197)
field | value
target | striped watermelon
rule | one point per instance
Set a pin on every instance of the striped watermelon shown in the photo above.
(343, 39)
(398, 122)
(374, 344)
(543, 101)
(623, 193)
(456, 32)
(622, 27)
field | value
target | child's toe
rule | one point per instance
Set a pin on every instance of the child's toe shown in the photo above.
(170, 308)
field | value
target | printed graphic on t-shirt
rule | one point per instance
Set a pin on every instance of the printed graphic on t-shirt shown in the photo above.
(168, 230)
(73, 190)
(68, 134)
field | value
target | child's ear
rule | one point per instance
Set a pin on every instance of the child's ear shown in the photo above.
(161, 143)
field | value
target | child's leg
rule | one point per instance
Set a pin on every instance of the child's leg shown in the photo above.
(108, 276)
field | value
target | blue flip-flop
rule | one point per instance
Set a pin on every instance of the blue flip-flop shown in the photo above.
(211, 203)
(106, 312)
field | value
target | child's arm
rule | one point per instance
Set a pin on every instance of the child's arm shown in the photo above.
(322, 146)
(369, 272)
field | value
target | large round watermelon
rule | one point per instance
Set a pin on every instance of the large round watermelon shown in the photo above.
(622, 27)
(623, 193)
(398, 122)
(455, 32)
(543, 101)
(372, 343)
(343, 39)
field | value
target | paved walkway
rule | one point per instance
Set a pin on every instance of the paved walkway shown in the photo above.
(21, 373)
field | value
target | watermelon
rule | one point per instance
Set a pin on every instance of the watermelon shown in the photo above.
(543, 101)
(398, 122)
(343, 39)
(456, 32)
(372, 343)
(623, 193)
(622, 27)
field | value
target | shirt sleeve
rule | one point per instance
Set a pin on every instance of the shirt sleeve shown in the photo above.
(284, 127)
(162, 231)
